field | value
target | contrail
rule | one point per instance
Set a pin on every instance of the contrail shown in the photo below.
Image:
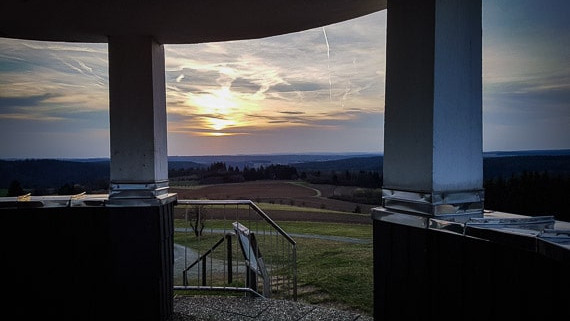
(327, 42)
(328, 63)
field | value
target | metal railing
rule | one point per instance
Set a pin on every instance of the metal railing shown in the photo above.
(232, 245)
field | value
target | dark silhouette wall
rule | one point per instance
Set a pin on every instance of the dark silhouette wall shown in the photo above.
(426, 274)
(88, 263)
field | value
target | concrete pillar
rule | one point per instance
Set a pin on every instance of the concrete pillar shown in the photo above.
(139, 158)
(433, 161)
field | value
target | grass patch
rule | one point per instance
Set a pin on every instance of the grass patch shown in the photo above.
(336, 274)
(292, 208)
(185, 184)
(361, 231)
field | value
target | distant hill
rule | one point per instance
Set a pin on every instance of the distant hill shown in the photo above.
(45, 173)
(254, 161)
(495, 164)
(48, 173)
(547, 152)
(507, 166)
(364, 163)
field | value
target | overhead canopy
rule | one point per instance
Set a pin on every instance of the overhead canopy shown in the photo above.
(172, 21)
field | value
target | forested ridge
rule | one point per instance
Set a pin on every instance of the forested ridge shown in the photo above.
(524, 184)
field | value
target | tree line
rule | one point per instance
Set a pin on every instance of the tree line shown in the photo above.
(532, 193)
(219, 172)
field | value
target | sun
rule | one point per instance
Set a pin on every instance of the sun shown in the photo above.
(220, 124)
(219, 107)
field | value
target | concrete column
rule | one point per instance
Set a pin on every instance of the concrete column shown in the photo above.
(139, 158)
(433, 163)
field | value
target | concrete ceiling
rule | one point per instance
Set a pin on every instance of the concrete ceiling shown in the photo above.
(172, 21)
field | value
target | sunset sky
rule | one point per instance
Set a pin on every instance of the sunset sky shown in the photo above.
(320, 90)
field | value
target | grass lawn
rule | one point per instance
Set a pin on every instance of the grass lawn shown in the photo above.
(336, 274)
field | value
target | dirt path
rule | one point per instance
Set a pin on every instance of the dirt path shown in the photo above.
(317, 191)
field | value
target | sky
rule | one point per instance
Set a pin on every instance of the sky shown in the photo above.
(316, 91)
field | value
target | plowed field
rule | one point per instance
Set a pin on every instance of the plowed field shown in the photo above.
(286, 193)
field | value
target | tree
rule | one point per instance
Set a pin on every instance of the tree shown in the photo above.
(15, 189)
(195, 216)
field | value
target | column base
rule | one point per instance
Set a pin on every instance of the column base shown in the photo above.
(440, 204)
(419, 220)
(140, 194)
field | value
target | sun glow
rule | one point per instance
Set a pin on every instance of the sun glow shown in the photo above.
(220, 124)
(217, 134)
(219, 108)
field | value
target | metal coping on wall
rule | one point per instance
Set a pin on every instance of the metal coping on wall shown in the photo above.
(82, 200)
(444, 203)
(541, 234)
(137, 190)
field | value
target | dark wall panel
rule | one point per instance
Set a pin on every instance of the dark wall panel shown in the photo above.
(426, 274)
(88, 263)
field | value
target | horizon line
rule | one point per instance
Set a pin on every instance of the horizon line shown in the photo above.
(281, 154)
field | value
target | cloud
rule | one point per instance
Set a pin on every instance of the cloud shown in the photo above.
(35, 100)
(29, 117)
(297, 89)
(293, 112)
(71, 75)
(282, 81)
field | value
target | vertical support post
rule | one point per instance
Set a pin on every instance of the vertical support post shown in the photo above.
(204, 272)
(139, 174)
(229, 258)
(433, 161)
(139, 158)
(433, 158)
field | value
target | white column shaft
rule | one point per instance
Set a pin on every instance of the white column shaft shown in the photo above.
(433, 121)
(137, 111)
(433, 158)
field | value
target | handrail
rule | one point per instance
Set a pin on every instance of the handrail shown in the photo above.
(241, 202)
(203, 256)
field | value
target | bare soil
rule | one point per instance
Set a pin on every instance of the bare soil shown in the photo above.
(286, 193)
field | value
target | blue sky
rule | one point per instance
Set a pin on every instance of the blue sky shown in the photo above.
(320, 90)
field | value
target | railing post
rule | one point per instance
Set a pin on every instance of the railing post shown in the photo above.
(204, 271)
(294, 272)
(229, 258)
